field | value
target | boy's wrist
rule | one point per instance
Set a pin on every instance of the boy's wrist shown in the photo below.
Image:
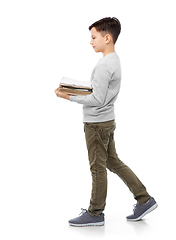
(68, 97)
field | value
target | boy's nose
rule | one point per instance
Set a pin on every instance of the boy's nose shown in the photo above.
(91, 42)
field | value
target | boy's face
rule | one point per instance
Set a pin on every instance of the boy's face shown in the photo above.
(98, 41)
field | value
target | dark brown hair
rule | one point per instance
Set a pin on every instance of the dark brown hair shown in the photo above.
(108, 25)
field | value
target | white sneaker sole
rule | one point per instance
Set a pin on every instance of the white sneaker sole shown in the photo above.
(145, 213)
(87, 224)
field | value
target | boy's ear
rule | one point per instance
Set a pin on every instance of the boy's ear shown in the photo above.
(107, 38)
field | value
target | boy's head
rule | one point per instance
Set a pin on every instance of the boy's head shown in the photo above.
(104, 33)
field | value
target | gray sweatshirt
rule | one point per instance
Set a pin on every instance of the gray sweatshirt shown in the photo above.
(105, 80)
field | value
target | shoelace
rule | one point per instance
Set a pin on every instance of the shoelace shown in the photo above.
(135, 205)
(83, 211)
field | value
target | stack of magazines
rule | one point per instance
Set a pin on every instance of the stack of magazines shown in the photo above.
(74, 87)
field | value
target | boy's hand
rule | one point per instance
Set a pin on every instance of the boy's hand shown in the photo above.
(62, 94)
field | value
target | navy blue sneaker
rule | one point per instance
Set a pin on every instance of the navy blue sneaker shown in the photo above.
(85, 219)
(140, 210)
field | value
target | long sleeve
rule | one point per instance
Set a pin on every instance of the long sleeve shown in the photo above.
(100, 82)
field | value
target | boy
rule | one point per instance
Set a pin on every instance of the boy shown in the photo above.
(99, 126)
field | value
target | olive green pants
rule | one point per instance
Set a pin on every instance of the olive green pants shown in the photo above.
(102, 155)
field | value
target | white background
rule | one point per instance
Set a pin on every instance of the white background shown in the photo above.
(44, 170)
